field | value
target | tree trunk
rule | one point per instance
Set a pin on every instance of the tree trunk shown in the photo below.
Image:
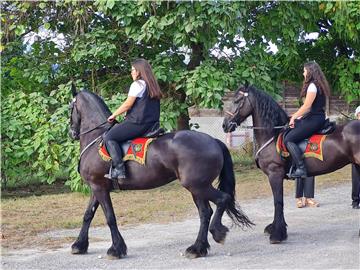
(196, 57)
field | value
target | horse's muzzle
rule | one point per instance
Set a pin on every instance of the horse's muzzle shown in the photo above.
(74, 135)
(229, 126)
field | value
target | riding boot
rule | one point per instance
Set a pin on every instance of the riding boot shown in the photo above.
(118, 166)
(297, 158)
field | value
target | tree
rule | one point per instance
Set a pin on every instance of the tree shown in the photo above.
(198, 51)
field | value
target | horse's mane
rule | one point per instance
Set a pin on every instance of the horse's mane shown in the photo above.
(269, 110)
(96, 104)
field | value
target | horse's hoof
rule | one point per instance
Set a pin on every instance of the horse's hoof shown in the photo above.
(275, 241)
(194, 252)
(190, 255)
(112, 254)
(268, 229)
(76, 251)
(112, 257)
(219, 235)
(77, 248)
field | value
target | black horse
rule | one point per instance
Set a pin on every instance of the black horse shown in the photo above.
(195, 158)
(339, 149)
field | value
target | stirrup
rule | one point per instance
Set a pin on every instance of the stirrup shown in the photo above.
(296, 174)
(116, 173)
(290, 174)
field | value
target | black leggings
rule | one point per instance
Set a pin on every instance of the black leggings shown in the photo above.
(304, 128)
(305, 187)
(355, 177)
(125, 131)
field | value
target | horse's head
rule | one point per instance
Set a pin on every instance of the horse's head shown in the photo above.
(88, 113)
(241, 108)
(75, 120)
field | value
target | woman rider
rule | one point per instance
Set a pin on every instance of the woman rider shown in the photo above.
(310, 117)
(142, 108)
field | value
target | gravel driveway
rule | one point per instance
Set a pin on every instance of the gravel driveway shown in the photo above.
(318, 238)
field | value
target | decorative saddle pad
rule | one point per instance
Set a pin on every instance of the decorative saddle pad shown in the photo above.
(313, 146)
(136, 150)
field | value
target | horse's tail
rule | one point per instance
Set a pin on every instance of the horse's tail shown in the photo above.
(227, 185)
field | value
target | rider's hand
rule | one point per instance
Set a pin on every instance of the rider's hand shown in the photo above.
(111, 118)
(292, 121)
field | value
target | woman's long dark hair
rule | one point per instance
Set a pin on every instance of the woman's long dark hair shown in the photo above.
(316, 76)
(146, 73)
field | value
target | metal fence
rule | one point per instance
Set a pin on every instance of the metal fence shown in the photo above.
(240, 142)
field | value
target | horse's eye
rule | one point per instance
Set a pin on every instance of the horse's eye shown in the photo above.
(238, 99)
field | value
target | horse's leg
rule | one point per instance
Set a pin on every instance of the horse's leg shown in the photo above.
(277, 229)
(201, 245)
(217, 229)
(118, 248)
(81, 244)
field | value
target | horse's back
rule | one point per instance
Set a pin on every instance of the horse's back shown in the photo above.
(195, 142)
(341, 147)
(196, 154)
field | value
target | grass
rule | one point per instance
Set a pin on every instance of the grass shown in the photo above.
(25, 215)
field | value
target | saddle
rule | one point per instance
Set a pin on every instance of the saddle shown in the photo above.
(310, 147)
(134, 149)
(327, 129)
(155, 131)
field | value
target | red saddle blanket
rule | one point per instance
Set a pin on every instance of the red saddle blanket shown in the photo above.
(313, 147)
(136, 151)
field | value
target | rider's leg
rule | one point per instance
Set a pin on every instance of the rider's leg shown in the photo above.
(120, 133)
(118, 166)
(298, 159)
(303, 129)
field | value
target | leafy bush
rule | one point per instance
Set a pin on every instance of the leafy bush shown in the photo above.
(34, 131)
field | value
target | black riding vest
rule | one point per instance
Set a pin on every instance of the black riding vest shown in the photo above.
(318, 105)
(144, 110)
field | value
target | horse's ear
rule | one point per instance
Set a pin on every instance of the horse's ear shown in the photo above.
(246, 84)
(73, 89)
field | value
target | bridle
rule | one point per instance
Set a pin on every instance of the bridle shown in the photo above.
(72, 107)
(232, 123)
(233, 115)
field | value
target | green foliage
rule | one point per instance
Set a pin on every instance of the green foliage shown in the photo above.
(197, 50)
(348, 74)
(33, 141)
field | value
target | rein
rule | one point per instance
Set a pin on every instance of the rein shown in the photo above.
(96, 140)
(85, 132)
(263, 146)
(246, 95)
(252, 127)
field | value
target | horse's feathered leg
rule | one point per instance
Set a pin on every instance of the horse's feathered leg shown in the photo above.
(217, 229)
(224, 198)
(118, 248)
(201, 245)
(81, 244)
(277, 229)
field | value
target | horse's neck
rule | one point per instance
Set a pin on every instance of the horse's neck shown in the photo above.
(261, 135)
(88, 138)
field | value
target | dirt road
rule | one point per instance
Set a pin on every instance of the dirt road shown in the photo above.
(318, 238)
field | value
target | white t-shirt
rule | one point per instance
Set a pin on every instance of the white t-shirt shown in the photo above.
(312, 88)
(137, 88)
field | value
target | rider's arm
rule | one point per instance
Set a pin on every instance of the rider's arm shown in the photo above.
(128, 103)
(305, 108)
